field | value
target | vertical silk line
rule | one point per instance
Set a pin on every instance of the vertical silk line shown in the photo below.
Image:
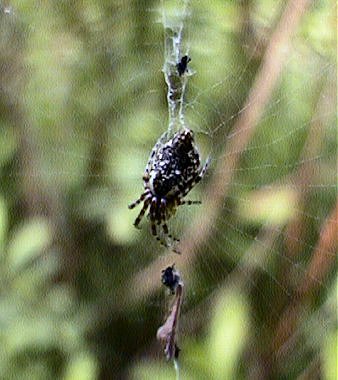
(173, 19)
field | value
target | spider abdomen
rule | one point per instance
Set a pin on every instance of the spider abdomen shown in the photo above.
(172, 177)
(163, 185)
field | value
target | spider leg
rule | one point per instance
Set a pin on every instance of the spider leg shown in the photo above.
(138, 201)
(158, 217)
(153, 212)
(162, 211)
(166, 233)
(142, 212)
(172, 239)
(204, 169)
(154, 230)
(189, 202)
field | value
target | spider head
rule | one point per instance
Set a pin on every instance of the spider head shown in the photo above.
(185, 141)
(185, 60)
(187, 134)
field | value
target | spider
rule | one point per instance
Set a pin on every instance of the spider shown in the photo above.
(170, 278)
(182, 66)
(173, 169)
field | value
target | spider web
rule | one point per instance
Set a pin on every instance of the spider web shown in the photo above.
(254, 238)
(262, 245)
(203, 102)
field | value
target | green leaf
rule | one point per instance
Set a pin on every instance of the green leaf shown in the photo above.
(26, 332)
(329, 349)
(82, 367)
(228, 335)
(271, 205)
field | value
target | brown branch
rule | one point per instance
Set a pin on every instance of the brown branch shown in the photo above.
(267, 78)
(322, 261)
(302, 177)
(324, 255)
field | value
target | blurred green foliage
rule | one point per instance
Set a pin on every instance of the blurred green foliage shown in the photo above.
(82, 102)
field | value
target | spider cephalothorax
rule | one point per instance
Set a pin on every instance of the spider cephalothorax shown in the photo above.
(173, 169)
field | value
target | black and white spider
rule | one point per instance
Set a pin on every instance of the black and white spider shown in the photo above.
(182, 65)
(173, 169)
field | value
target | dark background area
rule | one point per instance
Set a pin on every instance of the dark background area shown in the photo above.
(82, 103)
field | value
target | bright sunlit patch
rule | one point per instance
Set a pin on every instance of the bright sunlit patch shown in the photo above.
(28, 242)
(120, 225)
(82, 367)
(273, 205)
(229, 331)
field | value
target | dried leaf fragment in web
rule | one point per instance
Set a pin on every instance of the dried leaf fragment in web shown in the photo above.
(167, 333)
